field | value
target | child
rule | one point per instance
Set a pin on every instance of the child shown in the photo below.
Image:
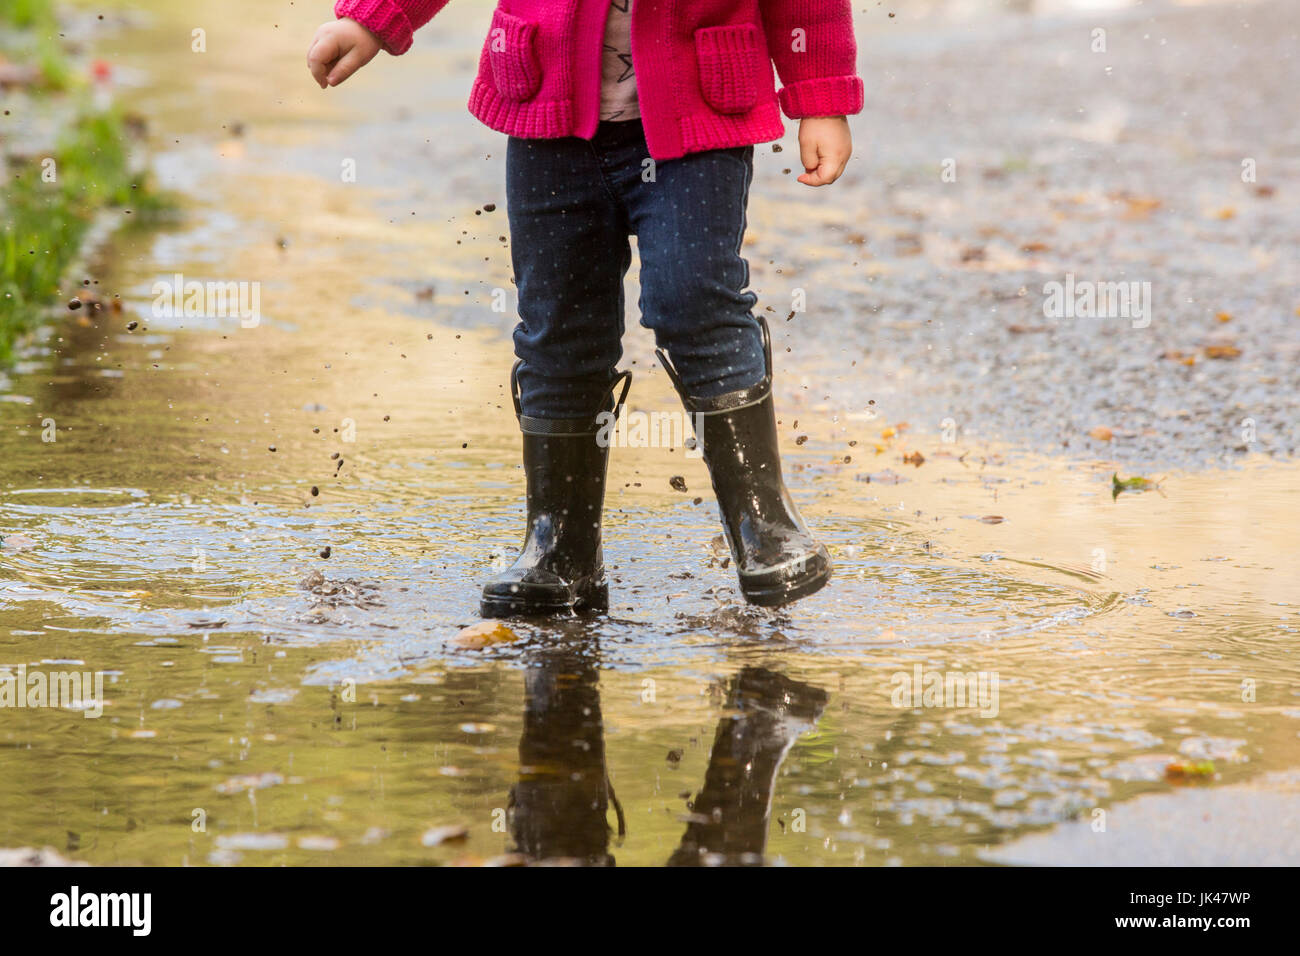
(636, 117)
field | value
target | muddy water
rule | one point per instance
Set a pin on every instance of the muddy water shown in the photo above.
(267, 705)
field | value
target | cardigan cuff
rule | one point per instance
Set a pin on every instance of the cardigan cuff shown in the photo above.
(384, 18)
(823, 96)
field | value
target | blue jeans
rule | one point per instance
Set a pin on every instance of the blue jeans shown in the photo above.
(572, 204)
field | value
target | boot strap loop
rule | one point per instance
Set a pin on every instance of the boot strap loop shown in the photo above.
(672, 372)
(626, 378)
(569, 426)
(515, 394)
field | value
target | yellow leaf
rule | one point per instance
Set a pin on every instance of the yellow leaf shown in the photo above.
(485, 634)
(1139, 207)
(1222, 351)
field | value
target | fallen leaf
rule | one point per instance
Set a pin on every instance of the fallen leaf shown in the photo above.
(485, 634)
(1139, 207)
(1223, 316)
(1227, 212)
(1137, 483)
(439, 835)
(1221, 351)
(1190, 770)
(1101, 433)
(914, 458)
(993, 519)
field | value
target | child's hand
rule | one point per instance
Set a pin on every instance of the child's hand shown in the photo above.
(825, 145)
(339, 49)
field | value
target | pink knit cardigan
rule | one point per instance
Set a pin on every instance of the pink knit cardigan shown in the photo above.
(703, 67)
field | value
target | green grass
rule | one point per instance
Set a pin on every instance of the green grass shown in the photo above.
(43, 223)
(31, 35)
(28, 14)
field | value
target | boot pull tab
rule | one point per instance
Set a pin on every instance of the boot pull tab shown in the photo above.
(515, 394)
(618, 808)
(767, 344)
(677, 379)
(672, 373)
(626, 378)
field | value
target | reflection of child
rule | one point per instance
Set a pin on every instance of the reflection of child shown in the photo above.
(655, 140)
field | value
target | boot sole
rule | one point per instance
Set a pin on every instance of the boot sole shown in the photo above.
(788, 591)
(502, 606)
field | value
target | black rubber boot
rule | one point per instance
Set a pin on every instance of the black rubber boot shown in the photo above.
(558, 809)
(776, 557)
(766, 713)
(561, 568)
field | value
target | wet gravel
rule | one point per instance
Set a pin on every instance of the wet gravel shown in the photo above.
(1119, 166)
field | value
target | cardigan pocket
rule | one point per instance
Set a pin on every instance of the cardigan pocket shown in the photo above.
(730, 59)
(514, 61)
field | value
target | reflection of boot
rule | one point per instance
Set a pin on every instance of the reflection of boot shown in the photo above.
(561, 567)
(557, 809)
(729, 816)
(777, 558)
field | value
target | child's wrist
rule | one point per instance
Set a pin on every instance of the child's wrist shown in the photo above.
(378, 40)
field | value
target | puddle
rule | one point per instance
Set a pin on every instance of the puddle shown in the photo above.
(266, 704)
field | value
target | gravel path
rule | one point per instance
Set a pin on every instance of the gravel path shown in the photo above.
(1122, 166)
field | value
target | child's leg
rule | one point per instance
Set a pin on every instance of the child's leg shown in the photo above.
(570, 252)
(689, 222)
(569, 248)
